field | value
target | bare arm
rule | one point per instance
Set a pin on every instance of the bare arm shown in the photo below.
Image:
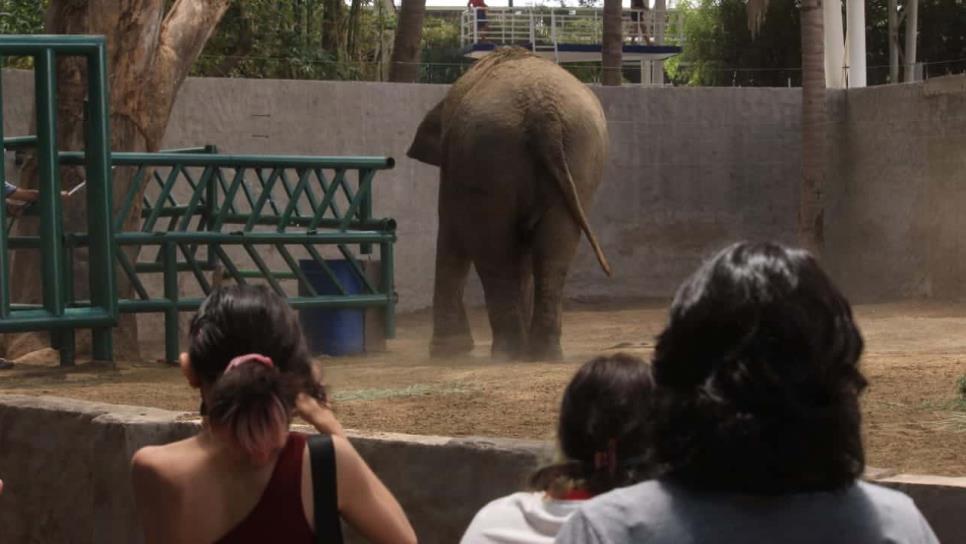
(365, 503)
(30, 195)
(24, 195)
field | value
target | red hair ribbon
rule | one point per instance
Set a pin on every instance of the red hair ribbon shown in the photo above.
(242, 359)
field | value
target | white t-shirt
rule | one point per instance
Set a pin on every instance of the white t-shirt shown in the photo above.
(520, 518)
(658, 512)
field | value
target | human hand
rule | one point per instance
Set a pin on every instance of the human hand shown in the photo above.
(318, 414)
(64, 194)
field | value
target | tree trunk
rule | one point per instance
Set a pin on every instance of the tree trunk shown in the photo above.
(912, 33)
(149, 54)
(331, 27)
(352, 32)
(612, 46)
(404, 64)
(811, 212)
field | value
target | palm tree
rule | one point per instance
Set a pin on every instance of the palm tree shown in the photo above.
(811, 209)
(404, 63)
(612, 47)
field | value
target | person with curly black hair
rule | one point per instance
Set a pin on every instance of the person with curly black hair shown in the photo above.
(757, 420)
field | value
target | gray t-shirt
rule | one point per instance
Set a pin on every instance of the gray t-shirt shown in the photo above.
(660, 512)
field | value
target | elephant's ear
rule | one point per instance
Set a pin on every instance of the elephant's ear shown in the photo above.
(427, 145)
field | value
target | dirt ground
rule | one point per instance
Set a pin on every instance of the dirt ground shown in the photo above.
(915, 354)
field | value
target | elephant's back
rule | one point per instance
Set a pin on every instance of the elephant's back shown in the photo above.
(515, 89)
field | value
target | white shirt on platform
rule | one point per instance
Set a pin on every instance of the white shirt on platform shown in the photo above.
(520, 518)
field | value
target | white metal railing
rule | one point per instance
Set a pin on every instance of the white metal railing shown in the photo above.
(544, 28)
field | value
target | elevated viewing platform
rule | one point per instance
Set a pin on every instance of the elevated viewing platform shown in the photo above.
(570, 34)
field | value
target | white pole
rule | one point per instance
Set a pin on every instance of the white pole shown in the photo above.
(855, 21)
(912, 32)
(834, 44)
(659, 16)
(893, 42)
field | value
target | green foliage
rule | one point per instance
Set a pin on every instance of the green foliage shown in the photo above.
(442, 56)
(942, 38)
(718, 48)
(441, 31)
(961, 389)
(283, 39)
(22, 17)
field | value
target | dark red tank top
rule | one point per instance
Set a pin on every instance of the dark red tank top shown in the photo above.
(278, 516)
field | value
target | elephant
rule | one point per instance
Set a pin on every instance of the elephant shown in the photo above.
(520, 144)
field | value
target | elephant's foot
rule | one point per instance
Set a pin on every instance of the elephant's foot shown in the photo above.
(506, 350)
(449, 346)
(546, 351)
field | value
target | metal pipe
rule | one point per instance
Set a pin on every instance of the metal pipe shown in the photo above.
(171, 295)
(123, 158)
(224, 238)
(4, 229)
(51, 225)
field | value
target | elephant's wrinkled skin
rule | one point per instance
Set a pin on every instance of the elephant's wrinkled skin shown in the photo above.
(521, 146)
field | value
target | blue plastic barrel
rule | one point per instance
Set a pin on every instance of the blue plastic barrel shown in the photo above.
(332, 332)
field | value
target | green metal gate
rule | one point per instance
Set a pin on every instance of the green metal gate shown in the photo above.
(251, 217)
(56, 313)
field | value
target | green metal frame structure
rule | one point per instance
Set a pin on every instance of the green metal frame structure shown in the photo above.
(55, 313)
(200, 213)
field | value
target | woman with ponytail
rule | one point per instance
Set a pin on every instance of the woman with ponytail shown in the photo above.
(603, 440)
(245, 477)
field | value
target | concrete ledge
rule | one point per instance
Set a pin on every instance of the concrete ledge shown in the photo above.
(66, 479)
(65, 467)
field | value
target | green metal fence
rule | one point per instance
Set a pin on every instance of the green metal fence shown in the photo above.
(248, 218)
(55, 312)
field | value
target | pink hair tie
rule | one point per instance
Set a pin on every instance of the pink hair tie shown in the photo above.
(242, 359)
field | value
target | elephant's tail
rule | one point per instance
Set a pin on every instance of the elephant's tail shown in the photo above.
(555, 160)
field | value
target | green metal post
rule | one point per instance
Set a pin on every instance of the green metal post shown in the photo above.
(4, 264)
(211, 209)
(171, 298)
(55, 289)
(51, 225)
(97, 154)
(63, 340)
(388, 286)
(365, 209)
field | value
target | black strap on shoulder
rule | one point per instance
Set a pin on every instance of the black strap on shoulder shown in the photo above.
(328, 525)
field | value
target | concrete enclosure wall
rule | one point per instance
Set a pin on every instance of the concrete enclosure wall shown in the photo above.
(897, 190)
(65, 466)
(690, 170)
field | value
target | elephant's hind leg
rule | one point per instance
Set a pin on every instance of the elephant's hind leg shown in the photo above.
(555, 243)
(451, 328)
(503, 285)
